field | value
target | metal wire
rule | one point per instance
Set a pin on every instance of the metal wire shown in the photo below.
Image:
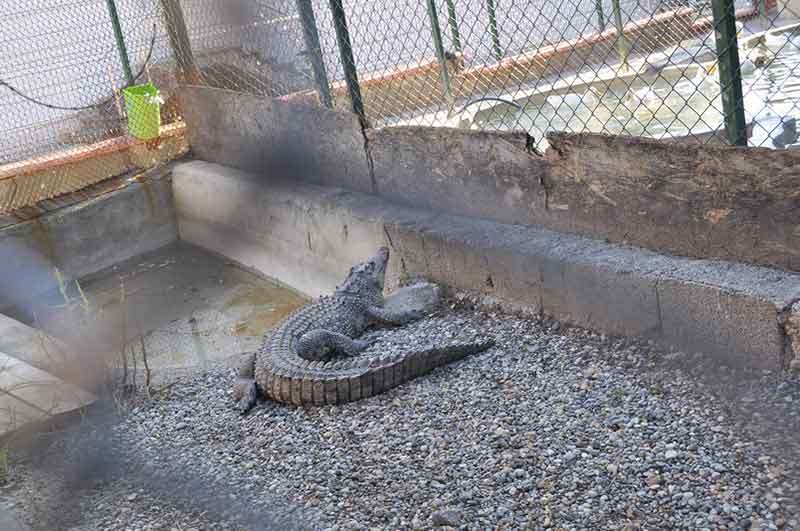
(638, 67)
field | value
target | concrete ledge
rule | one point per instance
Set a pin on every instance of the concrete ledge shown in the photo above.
(29, 395)
(29, 345)
(307, 236)
(26, 183)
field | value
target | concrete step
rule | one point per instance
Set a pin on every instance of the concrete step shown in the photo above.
(29, 394)
(28, 344)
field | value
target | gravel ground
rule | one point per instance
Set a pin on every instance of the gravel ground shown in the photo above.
(554, 428)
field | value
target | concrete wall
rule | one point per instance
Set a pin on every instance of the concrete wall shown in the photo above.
(308, 236)
(686, 199)
(271, 137)
(472, 173)
(86, 238)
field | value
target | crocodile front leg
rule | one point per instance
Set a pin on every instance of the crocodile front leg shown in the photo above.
(385, 316)
(322, 345)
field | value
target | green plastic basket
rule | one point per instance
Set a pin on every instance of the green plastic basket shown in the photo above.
(144, 114)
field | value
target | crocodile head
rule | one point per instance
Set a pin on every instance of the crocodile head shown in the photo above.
(366, 279)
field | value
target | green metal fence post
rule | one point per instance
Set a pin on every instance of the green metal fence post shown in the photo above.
(453, 23)
(730, 74)
(498, 50)
(123, 51)
(348, 63)
(601, 20)
(311, 36)
(436, 30)
(622, 43)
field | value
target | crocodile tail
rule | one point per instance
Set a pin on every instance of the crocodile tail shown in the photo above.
(350, 379)
(245, 391)
(408, 366)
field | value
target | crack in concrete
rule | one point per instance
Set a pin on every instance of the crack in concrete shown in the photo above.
(388, 237)
(530, 147)
(660, 324)
(368, 156)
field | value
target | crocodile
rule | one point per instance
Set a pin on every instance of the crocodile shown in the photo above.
(313, 356)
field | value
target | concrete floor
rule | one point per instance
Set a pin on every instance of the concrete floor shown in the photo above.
(181, 307)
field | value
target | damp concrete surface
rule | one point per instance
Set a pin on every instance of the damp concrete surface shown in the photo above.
(180, 307)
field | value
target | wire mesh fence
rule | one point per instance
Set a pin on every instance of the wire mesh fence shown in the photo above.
(638, 67)
(61, 71)
(656, 68)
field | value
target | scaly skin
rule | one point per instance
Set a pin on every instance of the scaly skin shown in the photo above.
(311, 358)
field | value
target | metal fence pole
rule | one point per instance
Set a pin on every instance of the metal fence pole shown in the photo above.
(730, 74)
(622, 43)
(453, 23)
(601, 20)
(123, 51)
(311, 36)
(348, 63)
(179, 41)
(498, 50)
(436, 30)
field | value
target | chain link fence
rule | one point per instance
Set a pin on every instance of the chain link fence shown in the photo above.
(656, 68)
(61, 70)
(649, 67)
